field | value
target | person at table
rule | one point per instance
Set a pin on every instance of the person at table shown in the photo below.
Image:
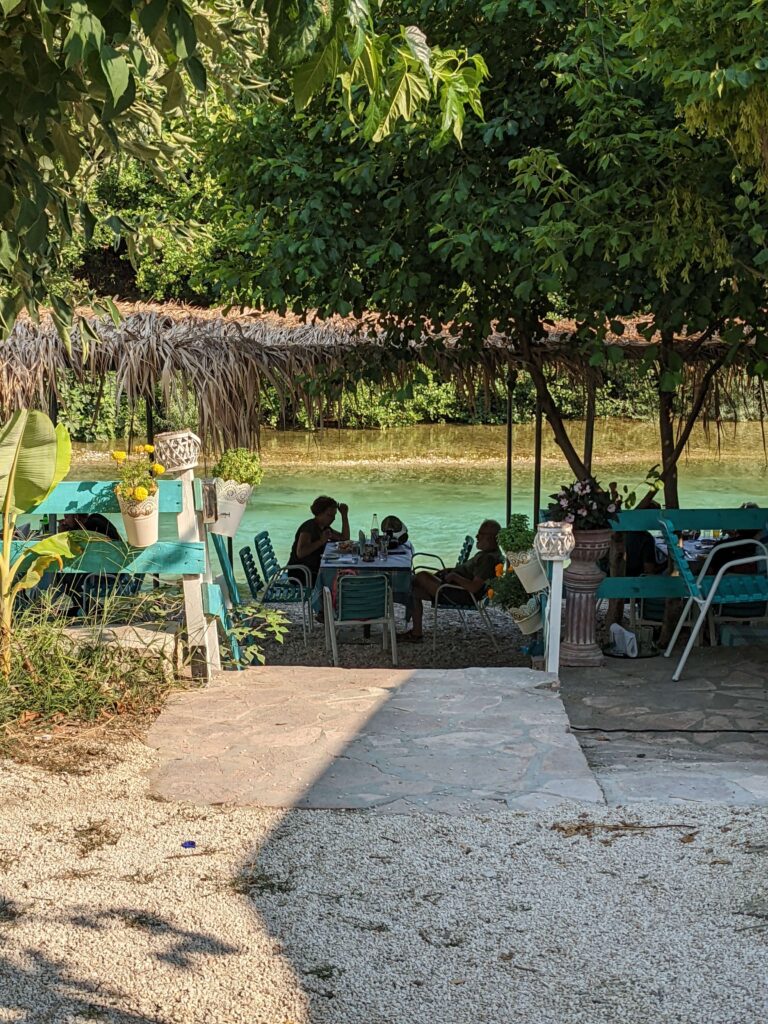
(312, 536)
(470, 578)
(395, 529)
(726, 555)
(73, 583)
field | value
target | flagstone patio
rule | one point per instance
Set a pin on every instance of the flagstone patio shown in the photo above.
(388, 740)
(464, 740)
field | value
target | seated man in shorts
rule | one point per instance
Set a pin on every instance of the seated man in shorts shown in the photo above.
(470, 579)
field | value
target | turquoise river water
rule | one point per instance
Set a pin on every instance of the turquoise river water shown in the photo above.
(442, 480)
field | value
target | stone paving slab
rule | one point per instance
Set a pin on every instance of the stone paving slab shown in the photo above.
(397, 741)
(648, 738)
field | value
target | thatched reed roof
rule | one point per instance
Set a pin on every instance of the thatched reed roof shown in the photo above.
(225, 360)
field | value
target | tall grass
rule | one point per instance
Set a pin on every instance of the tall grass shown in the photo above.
(74, 668)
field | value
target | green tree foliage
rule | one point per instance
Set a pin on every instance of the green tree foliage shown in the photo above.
(584, 184)
(87, 79)
(711, 56)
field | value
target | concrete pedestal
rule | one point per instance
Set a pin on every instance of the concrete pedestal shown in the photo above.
(582, 578)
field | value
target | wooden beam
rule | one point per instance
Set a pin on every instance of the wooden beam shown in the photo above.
(99, 496)
(694, 519)
(168, 558)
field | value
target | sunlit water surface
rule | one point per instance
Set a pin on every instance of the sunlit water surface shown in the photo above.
(442, 480)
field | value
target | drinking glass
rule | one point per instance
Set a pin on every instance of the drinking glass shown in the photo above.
(384, 548)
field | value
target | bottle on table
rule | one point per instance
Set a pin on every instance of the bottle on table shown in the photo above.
(375, 529)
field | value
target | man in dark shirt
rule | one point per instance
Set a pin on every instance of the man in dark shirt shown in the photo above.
(470, 578)
(312, 536)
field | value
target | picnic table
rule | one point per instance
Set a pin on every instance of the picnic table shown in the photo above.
(398, 565)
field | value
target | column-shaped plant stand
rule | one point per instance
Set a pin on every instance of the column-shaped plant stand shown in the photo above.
(554, 543)
(582, 578)
(179, 451)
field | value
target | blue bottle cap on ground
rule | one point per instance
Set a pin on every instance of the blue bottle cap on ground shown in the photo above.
(189, 844)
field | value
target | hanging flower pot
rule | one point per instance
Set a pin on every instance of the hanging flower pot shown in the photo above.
(178, 450)
(141, 518)
(531, 575)
(515, 558)
(138, 495)
(528, 616)
(231, 501)
(237, 472)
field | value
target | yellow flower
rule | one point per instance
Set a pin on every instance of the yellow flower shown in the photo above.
(140, 449)
(491, 592)
(157, 469)
(149, 449)
(141, 493)
(119, 456)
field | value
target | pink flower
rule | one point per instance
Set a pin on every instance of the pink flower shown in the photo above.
(611, 508)
(569, 518)
(587, 488)
(582, 511)
(564, 502)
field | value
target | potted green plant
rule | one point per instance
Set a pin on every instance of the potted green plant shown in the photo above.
(507, 592)
(236, 474)
(138, 495)
(516, 541)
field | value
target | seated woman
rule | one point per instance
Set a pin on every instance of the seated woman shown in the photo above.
(470, 577)
(312, 536)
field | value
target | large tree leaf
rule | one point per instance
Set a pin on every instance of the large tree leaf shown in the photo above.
(28, 460)
(318, 71)
(116, 70)
(47, 552)
(419, 48)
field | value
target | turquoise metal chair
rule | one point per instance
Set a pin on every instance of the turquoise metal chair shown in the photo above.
(289, 584)
(361, 600)
(725, 588)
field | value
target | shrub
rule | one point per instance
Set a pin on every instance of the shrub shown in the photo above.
(506, 590)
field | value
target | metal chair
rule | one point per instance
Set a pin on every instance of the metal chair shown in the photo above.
(289, 584)
(464, 553)
(364, 600)
(479, 604)
(722, 589)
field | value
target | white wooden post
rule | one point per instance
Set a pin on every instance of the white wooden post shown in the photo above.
(202, 634)
(553, 543)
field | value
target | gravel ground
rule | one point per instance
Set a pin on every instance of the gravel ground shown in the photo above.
(324, 917)
(456, 647)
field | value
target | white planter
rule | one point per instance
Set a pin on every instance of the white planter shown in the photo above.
(515, 558)
(141, 520)
(177, 450)
(231, 500)
(530, 624)
(528, 616)
(532, 576)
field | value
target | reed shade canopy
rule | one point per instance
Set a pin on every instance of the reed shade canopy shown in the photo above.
(224, 361)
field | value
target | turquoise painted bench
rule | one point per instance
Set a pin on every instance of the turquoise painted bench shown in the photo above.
(166, 558)
(682, 519)
(170, 558)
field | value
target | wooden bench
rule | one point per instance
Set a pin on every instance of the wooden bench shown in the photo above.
(184, 558)
(683, 519)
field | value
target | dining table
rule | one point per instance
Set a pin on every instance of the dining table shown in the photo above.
(397, 565)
